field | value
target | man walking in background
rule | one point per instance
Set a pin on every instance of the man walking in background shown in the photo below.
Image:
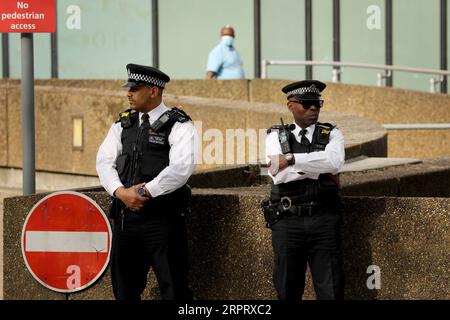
(224, 61)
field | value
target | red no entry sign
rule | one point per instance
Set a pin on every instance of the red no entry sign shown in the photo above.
(66, 241)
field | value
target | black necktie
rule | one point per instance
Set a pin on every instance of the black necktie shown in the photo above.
(304, 140)
(145, 123)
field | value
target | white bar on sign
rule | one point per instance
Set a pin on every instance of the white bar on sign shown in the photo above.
(66, 241)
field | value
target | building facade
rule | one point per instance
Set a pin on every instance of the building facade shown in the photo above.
(95, 39)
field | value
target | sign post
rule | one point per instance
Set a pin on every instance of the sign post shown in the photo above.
(28, 17)
(66, 241)
(28, 139)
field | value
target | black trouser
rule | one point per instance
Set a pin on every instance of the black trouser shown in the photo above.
(315, 240)
(150, 239)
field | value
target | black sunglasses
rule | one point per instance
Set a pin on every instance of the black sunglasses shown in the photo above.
(309, 103)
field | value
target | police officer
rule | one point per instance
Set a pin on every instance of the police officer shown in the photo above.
(144, 163)
(304, 159)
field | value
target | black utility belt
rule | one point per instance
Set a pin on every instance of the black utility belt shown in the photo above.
(275, 211)
(289, 207)
(301, 211)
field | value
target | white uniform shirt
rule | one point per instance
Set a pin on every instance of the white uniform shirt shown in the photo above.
(308, 165)
(184, 144)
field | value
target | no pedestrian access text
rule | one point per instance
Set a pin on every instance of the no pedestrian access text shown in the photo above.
(27, 16)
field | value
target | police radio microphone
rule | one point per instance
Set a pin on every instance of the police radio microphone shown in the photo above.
(283, 136)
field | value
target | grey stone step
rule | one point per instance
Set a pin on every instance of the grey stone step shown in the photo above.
(11, 178)
(369, 163)
(363, 163)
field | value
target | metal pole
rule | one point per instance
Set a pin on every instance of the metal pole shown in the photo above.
(264, 69)
(389, 40)
(54, 55)
(5, 54)
(54, 47)
(337, 35)
(444, 22)
(432, 85)
(155, 33)
(379, 79)
(335, 75)
(27, 97)
(257, 36)
(308, 39)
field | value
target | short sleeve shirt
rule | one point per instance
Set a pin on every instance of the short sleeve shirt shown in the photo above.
(225, 62)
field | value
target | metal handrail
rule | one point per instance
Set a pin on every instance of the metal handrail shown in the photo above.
(337, 64)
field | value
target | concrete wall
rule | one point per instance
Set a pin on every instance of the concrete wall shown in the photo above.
(384, 106)
(420, 144)
(99, 101)
(3, 125)
(423, 179)
(54, 113)
(57, 103)
(426, 179)
(231, 253)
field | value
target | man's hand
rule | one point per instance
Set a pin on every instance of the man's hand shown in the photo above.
(277, 163)
(210, 75)
(131, 198)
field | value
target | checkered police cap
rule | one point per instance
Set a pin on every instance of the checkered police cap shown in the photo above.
(145, 75)
(308, 89)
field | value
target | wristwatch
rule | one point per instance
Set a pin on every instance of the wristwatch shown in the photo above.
(141, 192)
(290, 158)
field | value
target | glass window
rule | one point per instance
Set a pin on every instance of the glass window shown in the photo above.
(322, 19)
(362, 39)
(42, 56)
(416, 41)
(96, 39)
(189, 30)
(283, 36)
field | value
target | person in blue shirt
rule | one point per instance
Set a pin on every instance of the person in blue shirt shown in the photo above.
(224, 61)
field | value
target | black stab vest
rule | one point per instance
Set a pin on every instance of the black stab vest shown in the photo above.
(322, 190)
(153, 148)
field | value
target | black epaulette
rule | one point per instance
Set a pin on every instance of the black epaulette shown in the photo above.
(279, 127)
(326, 125)
(125, 118)
(323, 132)
(179, 115)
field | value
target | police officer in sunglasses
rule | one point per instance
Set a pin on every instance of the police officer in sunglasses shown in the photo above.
(304, 210)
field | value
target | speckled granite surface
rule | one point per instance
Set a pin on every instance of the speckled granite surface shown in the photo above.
(231, 254)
